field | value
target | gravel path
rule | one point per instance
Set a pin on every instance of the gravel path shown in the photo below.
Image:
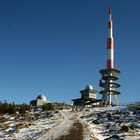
(75, 133)
(62, 128)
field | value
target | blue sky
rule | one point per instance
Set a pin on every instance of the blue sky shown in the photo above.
(57, 47)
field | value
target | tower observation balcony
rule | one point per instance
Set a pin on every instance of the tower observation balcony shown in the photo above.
(109, 84)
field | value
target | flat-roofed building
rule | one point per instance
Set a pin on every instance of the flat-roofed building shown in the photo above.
(88, 97)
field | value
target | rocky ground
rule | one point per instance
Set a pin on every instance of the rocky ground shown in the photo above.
(39, 125)
(115, 123)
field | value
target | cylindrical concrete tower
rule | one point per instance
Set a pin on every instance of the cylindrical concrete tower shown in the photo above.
(110, 73)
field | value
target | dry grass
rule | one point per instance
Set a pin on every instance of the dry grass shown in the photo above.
(92, 137)
(20, 126)
(2, 119)
(1, 136)
(5, 127)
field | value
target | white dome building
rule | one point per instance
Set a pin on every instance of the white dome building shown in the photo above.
(88, 92)
(89, 87)
(88, 97)
(40, 100)
(41, 97)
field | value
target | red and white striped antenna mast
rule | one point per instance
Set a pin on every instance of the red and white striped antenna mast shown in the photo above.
(110, 73)
(110, 42)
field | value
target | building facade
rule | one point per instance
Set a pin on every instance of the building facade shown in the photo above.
(87, 99)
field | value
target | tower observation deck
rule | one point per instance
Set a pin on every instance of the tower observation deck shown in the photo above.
(109, 75)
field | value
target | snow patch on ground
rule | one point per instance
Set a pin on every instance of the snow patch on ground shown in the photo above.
(44, 127)
(61, 129)
(102, 125)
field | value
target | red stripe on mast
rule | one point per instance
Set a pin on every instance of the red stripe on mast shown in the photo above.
(110, 43)
(110, 10)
